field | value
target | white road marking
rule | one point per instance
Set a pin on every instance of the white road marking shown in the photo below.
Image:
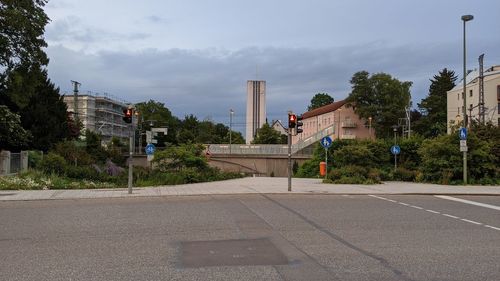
(474, 222)
(446, 215)
(489, 226)
(468, 202)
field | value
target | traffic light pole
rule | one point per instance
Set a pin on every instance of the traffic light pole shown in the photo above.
(130, 159)
(289, 159)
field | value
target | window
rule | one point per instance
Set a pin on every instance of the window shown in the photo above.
(498, 107)
(458, 96)
(462, 95)
(498, 93)
(470, 93)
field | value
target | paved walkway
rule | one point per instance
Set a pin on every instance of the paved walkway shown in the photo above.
(253, 186)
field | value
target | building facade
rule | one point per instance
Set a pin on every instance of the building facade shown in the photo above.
(345, 122)
(100, 114)
(256, 108)
(455, 98)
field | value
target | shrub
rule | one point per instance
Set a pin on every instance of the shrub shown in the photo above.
(34, 158)
(53, 164)
(403, 174)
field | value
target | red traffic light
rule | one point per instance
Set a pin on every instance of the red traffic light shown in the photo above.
(127, 115)
(292, 119)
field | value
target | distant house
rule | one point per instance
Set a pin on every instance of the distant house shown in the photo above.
(345, 122)
(455, 98)
(278, 126)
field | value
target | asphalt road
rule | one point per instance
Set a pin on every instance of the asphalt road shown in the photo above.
(252, 237)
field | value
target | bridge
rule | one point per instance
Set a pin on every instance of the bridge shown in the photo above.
(263, 159)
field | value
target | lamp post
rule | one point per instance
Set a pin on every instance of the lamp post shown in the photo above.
(231, 112)
(338, 133)
(465, 18)
(370, 127)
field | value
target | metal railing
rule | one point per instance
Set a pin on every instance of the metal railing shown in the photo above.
(15, 163)
(303, 147)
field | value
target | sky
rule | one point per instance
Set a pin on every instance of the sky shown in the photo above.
(195, 56)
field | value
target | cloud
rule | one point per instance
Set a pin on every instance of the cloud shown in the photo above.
(71, 31)
(208, 82)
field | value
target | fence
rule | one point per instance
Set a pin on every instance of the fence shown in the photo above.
(12, 163)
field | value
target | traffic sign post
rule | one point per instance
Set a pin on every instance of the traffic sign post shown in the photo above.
(395, 150)
(326, 142)
(462, 134)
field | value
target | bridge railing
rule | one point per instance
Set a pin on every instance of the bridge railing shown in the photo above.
(254, 149)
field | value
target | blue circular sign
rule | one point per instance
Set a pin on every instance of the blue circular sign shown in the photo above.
(326, 142)
(395, 149)
(150, 149)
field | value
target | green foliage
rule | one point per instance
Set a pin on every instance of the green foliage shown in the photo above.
(21, 33)
(45, 115)
(409, 157)
(433, 107)
(12, 135)
(381, 97)
(34, 159)
(176, 158)
(352, 174)
(267, 135)
(319, 100)
(441, 159)
(53, 164)
(94, 147)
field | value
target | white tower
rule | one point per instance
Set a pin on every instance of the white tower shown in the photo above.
(256, 108)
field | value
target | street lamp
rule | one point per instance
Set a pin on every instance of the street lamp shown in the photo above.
(231, 112)
(465, 18)
(338, 133)
(370, 127)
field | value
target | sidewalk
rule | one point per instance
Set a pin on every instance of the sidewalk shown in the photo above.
(257, 185)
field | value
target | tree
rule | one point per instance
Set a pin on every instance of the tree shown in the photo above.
(381, 97)
(157, 114)
(319, 100)
(22, 25)
(433, 107)
(267, 135)
(12, 135)
(45, 115)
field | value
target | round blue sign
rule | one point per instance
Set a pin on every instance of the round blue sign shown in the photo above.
(150, 149)
(326, 142)
(395, 149)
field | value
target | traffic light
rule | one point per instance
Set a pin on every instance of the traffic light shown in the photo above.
(299, 124)
(127, 115)
(292, 119)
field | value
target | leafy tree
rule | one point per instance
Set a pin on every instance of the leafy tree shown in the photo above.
(381, 97)
(22, 25)
(319, 100)
(433, 107)
(267, 135)
(155, 113)
(12, 135)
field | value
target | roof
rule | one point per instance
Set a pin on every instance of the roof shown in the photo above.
(324, 109)
(473, 75)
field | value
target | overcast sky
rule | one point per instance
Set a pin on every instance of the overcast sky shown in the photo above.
(196, 56)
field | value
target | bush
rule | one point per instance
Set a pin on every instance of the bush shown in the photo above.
(34, 158)
(352, 174)
(53, 164)
(403, 174)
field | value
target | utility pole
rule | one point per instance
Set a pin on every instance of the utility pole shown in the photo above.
(481, 90)
(465, 18)
(75, 100)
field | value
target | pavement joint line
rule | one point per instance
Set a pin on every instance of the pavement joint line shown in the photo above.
(469, 202)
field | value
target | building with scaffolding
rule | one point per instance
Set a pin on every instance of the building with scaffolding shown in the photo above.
(100, 113)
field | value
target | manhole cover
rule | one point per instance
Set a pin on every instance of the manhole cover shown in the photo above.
(231, 252)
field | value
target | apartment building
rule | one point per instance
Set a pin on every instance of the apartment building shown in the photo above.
(455, 98)
(337, 117)
(100, 113)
